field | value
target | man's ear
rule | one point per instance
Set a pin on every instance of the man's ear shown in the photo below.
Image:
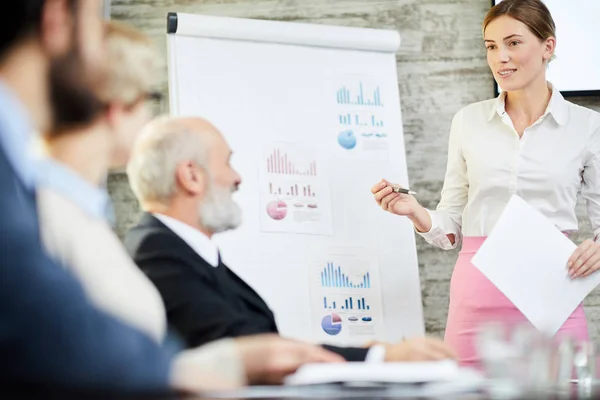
(190, 178)
(56, 28)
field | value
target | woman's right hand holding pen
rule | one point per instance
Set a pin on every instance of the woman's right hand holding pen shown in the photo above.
(401, 204)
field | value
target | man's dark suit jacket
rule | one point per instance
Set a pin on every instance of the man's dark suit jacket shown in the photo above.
(203, 303)
(50, 333)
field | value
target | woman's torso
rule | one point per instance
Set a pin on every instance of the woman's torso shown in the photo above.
(545, 166)
(89, 248)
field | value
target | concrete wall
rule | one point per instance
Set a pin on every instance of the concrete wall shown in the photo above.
(441, 67)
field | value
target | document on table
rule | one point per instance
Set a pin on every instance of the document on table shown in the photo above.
(367, 380)
(526, 256)
(391, 372)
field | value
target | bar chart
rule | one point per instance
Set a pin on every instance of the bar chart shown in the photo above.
(346, 303)
(360, 120)
(346, 281)
(278, 162)
(294, 190)
(334, 277)
(360, 96)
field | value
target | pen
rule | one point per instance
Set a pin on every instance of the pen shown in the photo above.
(403, 191)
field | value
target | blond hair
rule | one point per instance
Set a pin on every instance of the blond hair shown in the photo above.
(132, 64)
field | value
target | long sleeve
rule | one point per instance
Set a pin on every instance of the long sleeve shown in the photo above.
(100, 263)
(219, 363)
(195, 305)
(50, 333)
(591, 184)
(447, 218)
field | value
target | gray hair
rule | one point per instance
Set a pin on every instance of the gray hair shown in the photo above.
(162, 145)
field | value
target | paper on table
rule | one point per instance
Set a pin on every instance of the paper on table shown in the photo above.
(397, 372)
(526, 256)
(464, 381)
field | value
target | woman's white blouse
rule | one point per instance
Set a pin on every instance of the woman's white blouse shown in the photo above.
(557, 158)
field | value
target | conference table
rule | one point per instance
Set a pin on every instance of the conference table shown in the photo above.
(21, 390)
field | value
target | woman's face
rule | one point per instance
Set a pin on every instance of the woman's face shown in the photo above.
(126, 129)
(515, 55)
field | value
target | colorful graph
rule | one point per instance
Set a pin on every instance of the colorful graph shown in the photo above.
(279, 163)
(347, 139)
(334, 277)
(346, 304)
(373, 97)
(277, 209)
(332, 324)
(292, 190)
(360, 120)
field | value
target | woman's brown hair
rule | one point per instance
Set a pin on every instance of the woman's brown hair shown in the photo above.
(533, 13)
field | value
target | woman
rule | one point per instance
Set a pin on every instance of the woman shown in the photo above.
(529, 141)
(72, 205)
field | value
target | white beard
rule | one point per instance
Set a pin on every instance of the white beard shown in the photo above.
(218, 212)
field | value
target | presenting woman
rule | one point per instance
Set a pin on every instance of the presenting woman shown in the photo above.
(529, 141)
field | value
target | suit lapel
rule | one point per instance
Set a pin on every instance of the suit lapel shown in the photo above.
(233, 282)
(183, 250)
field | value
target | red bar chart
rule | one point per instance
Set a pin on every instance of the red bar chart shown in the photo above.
(294, 173)
(279, 162)
(295, 190)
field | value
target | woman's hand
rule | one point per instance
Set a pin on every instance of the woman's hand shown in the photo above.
(585, 260)
(396, 203)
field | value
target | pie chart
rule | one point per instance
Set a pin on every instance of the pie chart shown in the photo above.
(277, 209)
(347, 139)
(332, 324)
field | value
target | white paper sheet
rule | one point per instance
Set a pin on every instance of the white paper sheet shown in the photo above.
(294, 195)
(462, 382)
(526, 256)
(362, 114)
(398, 372)
(345, 290)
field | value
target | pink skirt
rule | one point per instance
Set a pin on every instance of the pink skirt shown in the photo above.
(474, 301)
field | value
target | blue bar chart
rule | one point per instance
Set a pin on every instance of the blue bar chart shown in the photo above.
(346, 303)
(360, 115)
(360, 96)
(335, 277)
(346, 282)
(360, 120)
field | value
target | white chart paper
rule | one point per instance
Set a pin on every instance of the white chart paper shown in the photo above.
(346, 297)
(526, 256)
